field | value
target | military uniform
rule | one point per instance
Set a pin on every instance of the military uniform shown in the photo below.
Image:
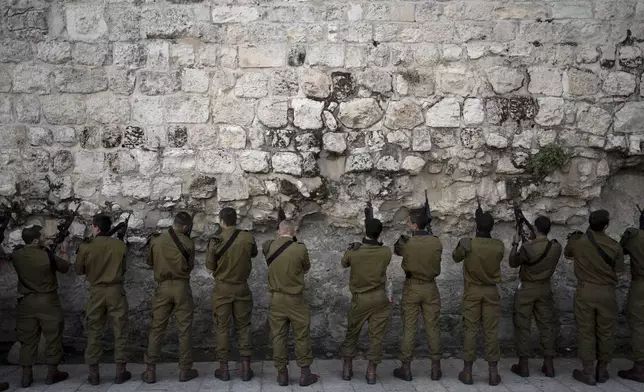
(102, 260)
(422, 264)
(595, 304)
(534, 296)
(231, 295)
(173, 295)
(368, 262)
(39, 308)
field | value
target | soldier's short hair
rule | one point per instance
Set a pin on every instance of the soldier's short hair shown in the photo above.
(419, 218)
(543, 224)
(103, 222)
(228, 215)
(29, 234)
(598, 220)
(485, 222)
(287, 227)
(373, 228)
(182, 219)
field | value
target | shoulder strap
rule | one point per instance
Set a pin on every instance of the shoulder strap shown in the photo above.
(271, 258)
(227, 245)
(543, 255)
(601, 252)
(179, 245)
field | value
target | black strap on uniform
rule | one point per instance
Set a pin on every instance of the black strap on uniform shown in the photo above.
(227, 245)
(603, 254)
(543, 255)
(271, 258)
(179, 245)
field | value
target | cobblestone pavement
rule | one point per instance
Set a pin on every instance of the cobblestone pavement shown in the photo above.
(329, 370)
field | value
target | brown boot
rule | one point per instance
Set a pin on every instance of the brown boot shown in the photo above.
(282, 377)
(634, 374)
(149, 376)
(222, 373)
(436, 372)
(188, 374)
(494, 376)
(404, 371)
(466, 374)
(27, 377)
(4, 386)
(246, 372)
(347, 368)
(522, 368)
(306, 377)
(54, 375)
(548, 367)
(94, 377)
(122, 375)
(601, 373)
(585, 375)
(371, 375)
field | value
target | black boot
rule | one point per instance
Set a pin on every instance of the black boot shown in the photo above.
(522, 368)
(404, 371)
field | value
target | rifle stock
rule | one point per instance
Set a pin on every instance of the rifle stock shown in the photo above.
(368, 212)
(522, 223)
(63, 229)
(121, 228)
(428, 213)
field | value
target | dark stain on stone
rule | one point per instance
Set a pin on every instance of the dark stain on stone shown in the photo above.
(87, 137)
(203, 187)
(356, 140)
(111, 136)
(177, 136)
(522, 108)
(63, 160)
(536, 44)
(310, 166)
(343, 85)
(287, 188)
(411, 75)
(296, 56)
(281, 138)
(134, 137)
(375, 43)
(607, 64)
(569, 43)
(112, 161)
(629, 40)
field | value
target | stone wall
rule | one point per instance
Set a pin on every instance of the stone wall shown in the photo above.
(319, 106)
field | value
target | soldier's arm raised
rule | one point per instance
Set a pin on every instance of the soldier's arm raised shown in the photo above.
(306, 262)
(346, 259)
(210, 255)
(619, 260)
(150, 259)
(253, 250)
(191, 260)
(399, 245)
(461, 250)
(81, 255)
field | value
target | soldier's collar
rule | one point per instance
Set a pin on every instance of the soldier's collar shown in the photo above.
(231, 228)
(483, 234)
(103, 235)
(420, 232)
(369, 241)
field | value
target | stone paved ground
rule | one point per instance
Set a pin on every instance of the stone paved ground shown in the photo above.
(329, 370)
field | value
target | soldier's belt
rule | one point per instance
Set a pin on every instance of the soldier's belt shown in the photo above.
(379, 288)
(418, 281)
(603, 285)
(107, 284)
(536, 282)
(172, 280)
(286, 294)
(638, 278)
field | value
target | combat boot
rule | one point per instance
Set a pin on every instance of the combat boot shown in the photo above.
(222, 373)
(27, 377)
(282, 377)
(149, 376)
(404, 371)
(548, 367)
(634, 374)
(246, 372)
(4, 386)
(306, 377)
(371, 375)
(585, 375)
(494, 376)
(466, 374)
(188, 374)
(436, 372)
(122, 374)
(94, 377)
(347, 368)
(522, 368)
(54, 375)
(601, 373)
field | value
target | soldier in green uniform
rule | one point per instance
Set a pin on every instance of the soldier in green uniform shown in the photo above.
(39, 309)
(172, 256)
(482, 258)
(288, 261)
(422, 264)
(537, 260)
(633, 243)
(368, 262)
(102, 260)
(229, 257)
(598, 259)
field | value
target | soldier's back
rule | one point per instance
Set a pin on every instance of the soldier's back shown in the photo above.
(34, 269)
(169, 261)
(104, 259)
(590, 266)
(368, 266)
(540, 265)
(422, 257)
(483, 263)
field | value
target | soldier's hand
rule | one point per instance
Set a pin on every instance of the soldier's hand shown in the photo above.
(64, 246)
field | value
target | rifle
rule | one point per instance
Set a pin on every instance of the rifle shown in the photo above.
(479, 210)
(63, 229)
(639, 209)
(428, 213)
(368, 212)
(121, 228)
(7, 217)
(522, 223)
(281, 216)
(641, 216)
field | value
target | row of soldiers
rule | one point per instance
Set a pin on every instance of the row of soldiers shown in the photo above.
(171, 254)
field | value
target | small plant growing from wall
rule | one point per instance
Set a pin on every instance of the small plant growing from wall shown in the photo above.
(550, 158)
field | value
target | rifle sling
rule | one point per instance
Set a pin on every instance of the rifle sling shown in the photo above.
(227, 245)
(278, 252)
(543, 255)
(601, 252)
(179, 245)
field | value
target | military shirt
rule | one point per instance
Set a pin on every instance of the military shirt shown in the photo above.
(589, 265)
(633, 243)
(368, 262)
(102, 260)
(482, 258)
(34, 270)
(235, 264)
(286, 272)
(421, 255)
(528, 255)
(166, 258)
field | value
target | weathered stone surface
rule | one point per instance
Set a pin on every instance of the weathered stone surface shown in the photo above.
(273, 112)
(108, 109)
(89, 164)
(216, 162)
(546, 81)
(63, 109)
(80, 80)
(186, 108)
(446, 113)
(551, 111)
(254, 161)
(159, 83)
(403, 114)
(55, 52)
(456, 80)
(166, 188)
(360, 113)
(265, 56)
(121, 80)
(594, 120)
(421, 140)
(27, 109)
(232, 111)
(473, 112)
(28, 78)
(231, 187)
(630, 118)
(252, 85)
(85, 21)
(581, 82)
(413, 164)
(376, 81)
(334, 142)
(12, 50)
(178, 161)
(232, 136)
(38, 136)
(620, 84)
(505, 79)
(307, 113)
(195, 80)
(388, 163)
(136, 187)
(287, 162)
(358, 163)
(315, 84)
(203, 187)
